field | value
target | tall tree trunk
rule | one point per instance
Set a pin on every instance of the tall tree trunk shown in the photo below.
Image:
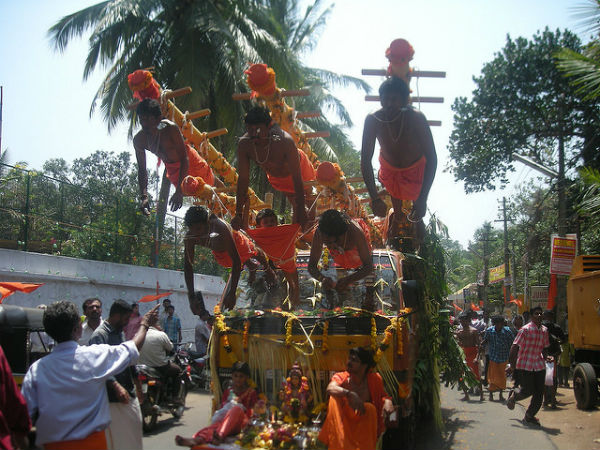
(161, 212)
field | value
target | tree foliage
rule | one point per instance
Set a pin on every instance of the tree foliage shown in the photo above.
(521, 104)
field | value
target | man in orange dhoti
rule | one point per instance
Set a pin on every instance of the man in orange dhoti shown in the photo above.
(468, 339)
(230, 249)
(163, 138)
(499, 339)
(407, 157)
(278, 243)
(275, 152)
(358, 407)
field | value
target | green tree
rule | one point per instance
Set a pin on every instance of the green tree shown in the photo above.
(521, 104)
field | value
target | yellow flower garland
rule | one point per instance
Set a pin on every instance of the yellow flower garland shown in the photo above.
(373, 334)
(288, 332)
(399, 337)
(245, 335)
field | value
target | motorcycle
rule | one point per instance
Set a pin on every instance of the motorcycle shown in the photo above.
(164, 394)
(200, 374)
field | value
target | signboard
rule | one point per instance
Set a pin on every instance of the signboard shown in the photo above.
(497, 274)
(564, 250)
(538, 296)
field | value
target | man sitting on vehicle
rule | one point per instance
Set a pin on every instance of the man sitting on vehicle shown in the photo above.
(359, 407)
(155, 352)
(349, 243)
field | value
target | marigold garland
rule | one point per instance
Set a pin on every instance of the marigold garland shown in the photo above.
(399, 337)
(373, 334)
(288, 332)
(245, 335)
(325, 345)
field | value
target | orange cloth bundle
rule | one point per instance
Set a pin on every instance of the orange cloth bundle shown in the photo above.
(244, 246)
(278, 243)
(350, 259)
(286, 184)
(402, 183)
(261, 79)
(143, 85)
(95, 441)
(198, 167)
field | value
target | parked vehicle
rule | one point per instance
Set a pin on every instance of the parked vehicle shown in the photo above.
(583, 304)
(164, 394)
(199, 373)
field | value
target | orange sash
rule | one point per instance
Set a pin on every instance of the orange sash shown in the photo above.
(198, 167)
(95, 441)
(244, 246)
(278, 243)
(403, 183)
(286, 184)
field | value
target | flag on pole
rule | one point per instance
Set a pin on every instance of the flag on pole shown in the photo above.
(151, 298)
(9, 288)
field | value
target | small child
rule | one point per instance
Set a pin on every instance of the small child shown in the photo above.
(564, 363)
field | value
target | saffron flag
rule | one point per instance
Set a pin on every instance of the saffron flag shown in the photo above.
(457, 307)
(516, 301)
(278, 243)
(552, 291)
(151, 298)
(474, 307)
(9, 288)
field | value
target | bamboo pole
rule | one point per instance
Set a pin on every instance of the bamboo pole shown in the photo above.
(292, 93)
(198, 114)
(307, 114)
(316, 134)
(375, 98)
(413, 74)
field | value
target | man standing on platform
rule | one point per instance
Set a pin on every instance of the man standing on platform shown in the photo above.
(275, 152)
(407, 157)
(526, 358)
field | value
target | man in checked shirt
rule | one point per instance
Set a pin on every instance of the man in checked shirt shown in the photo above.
(527, 355)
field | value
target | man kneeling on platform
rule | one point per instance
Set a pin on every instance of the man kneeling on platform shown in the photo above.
(359, 408)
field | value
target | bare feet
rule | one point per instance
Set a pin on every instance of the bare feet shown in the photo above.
(188, 442)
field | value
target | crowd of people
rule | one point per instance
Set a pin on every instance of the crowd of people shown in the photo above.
(532, 349)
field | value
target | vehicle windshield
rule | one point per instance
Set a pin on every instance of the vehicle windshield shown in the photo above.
(384, 281)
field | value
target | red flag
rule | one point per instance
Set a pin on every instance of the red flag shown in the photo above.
(474, 307)
(457, 307)
(8, 288)
(151, 298)
(552, 291)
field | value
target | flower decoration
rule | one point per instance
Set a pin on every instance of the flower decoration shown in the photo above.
(373, 334)
(325, 346)
(399, 337)
(261, 79)
(245, 335)
(143, 85)
(399, 54)
(288, 332)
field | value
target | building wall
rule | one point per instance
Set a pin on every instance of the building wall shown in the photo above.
(77, 279)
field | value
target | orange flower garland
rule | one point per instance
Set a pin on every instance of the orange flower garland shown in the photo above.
(288, 332)
(245, 335)
(373, 334)
(222, 328)
(325, 345)
(399, 337)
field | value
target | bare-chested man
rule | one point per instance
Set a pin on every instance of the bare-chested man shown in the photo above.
(163, 138)
(468, 338)
(275, 152)
(407, 157)
(230, 248)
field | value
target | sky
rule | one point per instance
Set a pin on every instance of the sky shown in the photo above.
(46, 102)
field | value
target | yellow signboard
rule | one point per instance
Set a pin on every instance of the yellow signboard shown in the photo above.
(497, 274)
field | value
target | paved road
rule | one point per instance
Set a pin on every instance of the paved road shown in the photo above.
(196, 416)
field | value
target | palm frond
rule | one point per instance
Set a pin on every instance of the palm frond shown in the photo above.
(584, 71)
(74, 25)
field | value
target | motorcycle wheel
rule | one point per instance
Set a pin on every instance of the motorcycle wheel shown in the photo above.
(181, 395)
(149, 413)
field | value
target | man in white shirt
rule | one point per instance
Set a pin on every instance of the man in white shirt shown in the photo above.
(66, 390)
(202, 333)
(155, 350)
(92, 310)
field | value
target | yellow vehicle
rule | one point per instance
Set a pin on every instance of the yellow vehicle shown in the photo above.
(319, 335)
(583, 302)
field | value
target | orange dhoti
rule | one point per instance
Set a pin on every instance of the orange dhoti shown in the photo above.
(345, 429)
(402, 183)
(244, 246)
(350, 259)
(95, 441)
(497, 376)
(286, 184)
(471, 355)
(278, 243)
(198, 167)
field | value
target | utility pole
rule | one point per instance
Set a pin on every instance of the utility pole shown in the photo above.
(485, 256)
(561, 282)
(507, 283)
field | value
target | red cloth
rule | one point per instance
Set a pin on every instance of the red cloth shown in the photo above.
(350, 259)
(471, 355)
(198, 167)
(286, 184)
(552, 291)
(95, 441)
(244, 246)
(531, 341)
(403, 183)
(376, 391)
(14, 417)
(278, 243)
(235, 419)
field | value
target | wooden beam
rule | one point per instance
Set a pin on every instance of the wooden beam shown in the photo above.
(306, 114)
(215, 133)
(434, 123)
(316, 134)
(375, 98)
(168, 95)
(198, 114)
(413, 74)
(293, 93)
